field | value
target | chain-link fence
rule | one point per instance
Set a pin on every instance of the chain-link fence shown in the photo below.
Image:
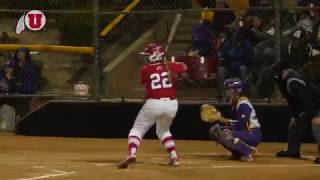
(91, 48)
(46, 64)
(216, 43)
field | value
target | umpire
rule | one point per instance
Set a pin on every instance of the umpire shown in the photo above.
(304, 102)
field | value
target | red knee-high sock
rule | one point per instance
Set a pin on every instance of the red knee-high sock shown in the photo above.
(169, 144)
(133, 144)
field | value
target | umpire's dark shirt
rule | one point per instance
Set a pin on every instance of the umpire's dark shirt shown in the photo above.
(303, 99)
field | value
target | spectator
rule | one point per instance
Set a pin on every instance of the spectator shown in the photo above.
(266, 14)
(202, 35)
(296, 47)
(260, 74)
(259, 30)
(263, 42)
(314, 17)
(236, 57)
(218, 43)
(222, 18)
(259, 81)
(306, 2)
(298, 50)
(25, 72)
(6, 80)
(7, 112)
(5, 39)
(295, 50)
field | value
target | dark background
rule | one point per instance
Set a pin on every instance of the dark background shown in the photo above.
(114, 120)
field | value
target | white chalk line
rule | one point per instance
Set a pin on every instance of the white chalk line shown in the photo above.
(104, 164)
(48, 176)
(46, 168)
(267, 155)
(265, 165)
(250, 166)
(186, 162)
(56, 173)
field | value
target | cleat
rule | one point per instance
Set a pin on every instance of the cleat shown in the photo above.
(254, 151)
(234, 156)
(287, 153)
(174, 162)
(246, 158)
(317, 161)
(124, 164)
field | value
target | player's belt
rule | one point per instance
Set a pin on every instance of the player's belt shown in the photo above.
(166, 98)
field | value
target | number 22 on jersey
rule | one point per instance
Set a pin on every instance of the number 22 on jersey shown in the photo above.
(159, 81)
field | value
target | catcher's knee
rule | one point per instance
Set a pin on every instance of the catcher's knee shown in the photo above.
(214, 132)
(224, 137)
(316, 129)
(220, 134)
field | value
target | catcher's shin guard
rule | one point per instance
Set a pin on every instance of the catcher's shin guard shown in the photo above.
(239, 146)
(224, 137)
(215, 133)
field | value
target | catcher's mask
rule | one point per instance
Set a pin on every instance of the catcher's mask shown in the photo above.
(154, 52)
(233, 87)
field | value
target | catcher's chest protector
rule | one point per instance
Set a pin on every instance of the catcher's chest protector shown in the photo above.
(253, 120)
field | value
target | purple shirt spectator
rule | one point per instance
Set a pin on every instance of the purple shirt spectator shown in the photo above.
(202, 38)
(202, 32)
(25, 72)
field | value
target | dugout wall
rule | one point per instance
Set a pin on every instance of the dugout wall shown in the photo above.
(114, 120)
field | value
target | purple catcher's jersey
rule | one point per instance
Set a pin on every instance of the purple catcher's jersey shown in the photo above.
(245, 114)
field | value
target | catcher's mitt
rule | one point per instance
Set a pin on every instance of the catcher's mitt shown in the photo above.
(209, 113)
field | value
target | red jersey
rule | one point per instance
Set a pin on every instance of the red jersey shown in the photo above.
(156, 81)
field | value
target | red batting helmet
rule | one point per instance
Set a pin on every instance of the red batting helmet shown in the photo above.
(155, 52)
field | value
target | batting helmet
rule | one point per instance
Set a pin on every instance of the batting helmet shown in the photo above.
(155, 52)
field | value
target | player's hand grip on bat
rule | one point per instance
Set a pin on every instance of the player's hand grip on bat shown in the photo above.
(211, 114)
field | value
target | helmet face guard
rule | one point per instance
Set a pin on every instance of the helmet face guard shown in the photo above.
(233, 87)
(154, 52)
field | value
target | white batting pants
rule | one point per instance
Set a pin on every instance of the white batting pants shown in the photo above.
(159, 111)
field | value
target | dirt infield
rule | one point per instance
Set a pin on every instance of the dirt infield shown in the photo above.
(31, 158)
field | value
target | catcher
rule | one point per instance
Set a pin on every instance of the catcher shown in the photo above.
(240, 136)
